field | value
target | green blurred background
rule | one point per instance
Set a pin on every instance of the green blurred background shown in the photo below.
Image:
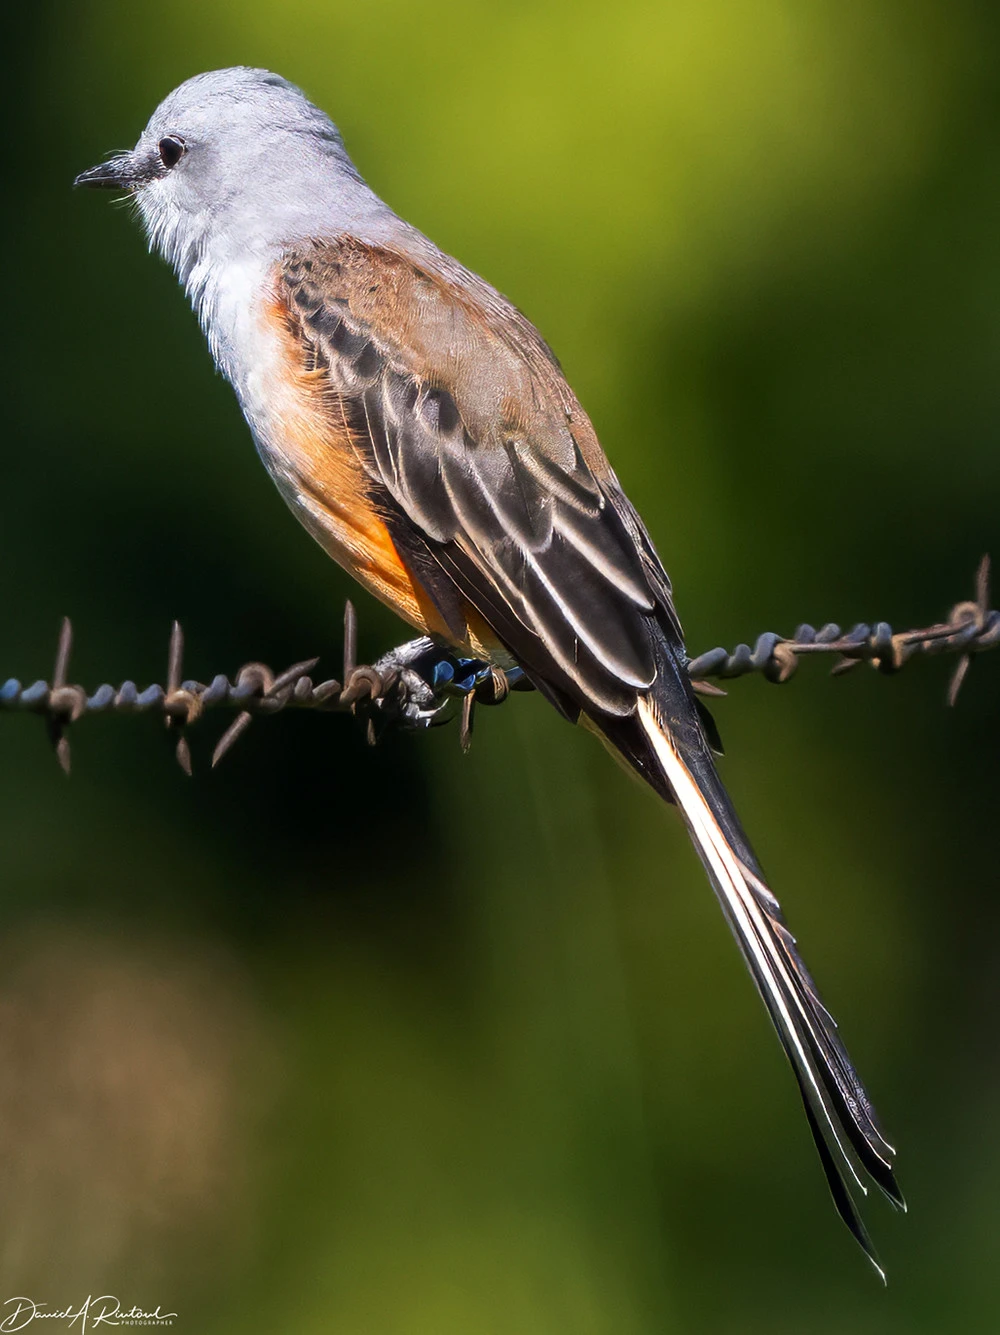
(399, 1041)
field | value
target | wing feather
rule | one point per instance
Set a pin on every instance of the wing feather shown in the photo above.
(490, 475)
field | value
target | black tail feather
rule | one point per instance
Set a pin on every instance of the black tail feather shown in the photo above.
(666, 743)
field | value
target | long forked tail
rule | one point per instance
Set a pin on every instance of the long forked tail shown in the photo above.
(841, 1118)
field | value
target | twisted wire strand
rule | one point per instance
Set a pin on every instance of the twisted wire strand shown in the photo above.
(384, 692)
(380, 691)
(972, 627)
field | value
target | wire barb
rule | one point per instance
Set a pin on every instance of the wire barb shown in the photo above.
(413, 685)
(977, 612)
(63, 702)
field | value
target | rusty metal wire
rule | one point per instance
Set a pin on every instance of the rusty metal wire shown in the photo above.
(414, 685)
(385, 692)
(972, 628)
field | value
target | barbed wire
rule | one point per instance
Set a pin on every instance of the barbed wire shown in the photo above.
(415, 684)
(972, 627)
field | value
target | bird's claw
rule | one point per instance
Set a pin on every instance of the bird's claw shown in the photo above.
(426, 678)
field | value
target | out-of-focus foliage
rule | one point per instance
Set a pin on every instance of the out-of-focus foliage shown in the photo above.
(401, 1041)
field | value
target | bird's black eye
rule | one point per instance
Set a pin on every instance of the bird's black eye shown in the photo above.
(171, 150)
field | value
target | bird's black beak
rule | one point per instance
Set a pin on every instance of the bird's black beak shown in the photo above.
(126, 171)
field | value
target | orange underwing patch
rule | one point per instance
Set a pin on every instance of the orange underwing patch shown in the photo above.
(319, 458)
(323, 478)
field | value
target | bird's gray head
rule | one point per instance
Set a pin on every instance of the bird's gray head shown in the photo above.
(236, 159)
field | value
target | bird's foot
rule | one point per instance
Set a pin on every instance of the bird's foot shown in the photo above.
(423, 679)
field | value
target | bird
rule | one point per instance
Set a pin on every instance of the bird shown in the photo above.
(423, 432)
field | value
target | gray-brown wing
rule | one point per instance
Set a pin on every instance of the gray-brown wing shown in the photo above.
(476, 452)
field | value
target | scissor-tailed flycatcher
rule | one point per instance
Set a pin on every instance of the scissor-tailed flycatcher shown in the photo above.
(424, 434)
